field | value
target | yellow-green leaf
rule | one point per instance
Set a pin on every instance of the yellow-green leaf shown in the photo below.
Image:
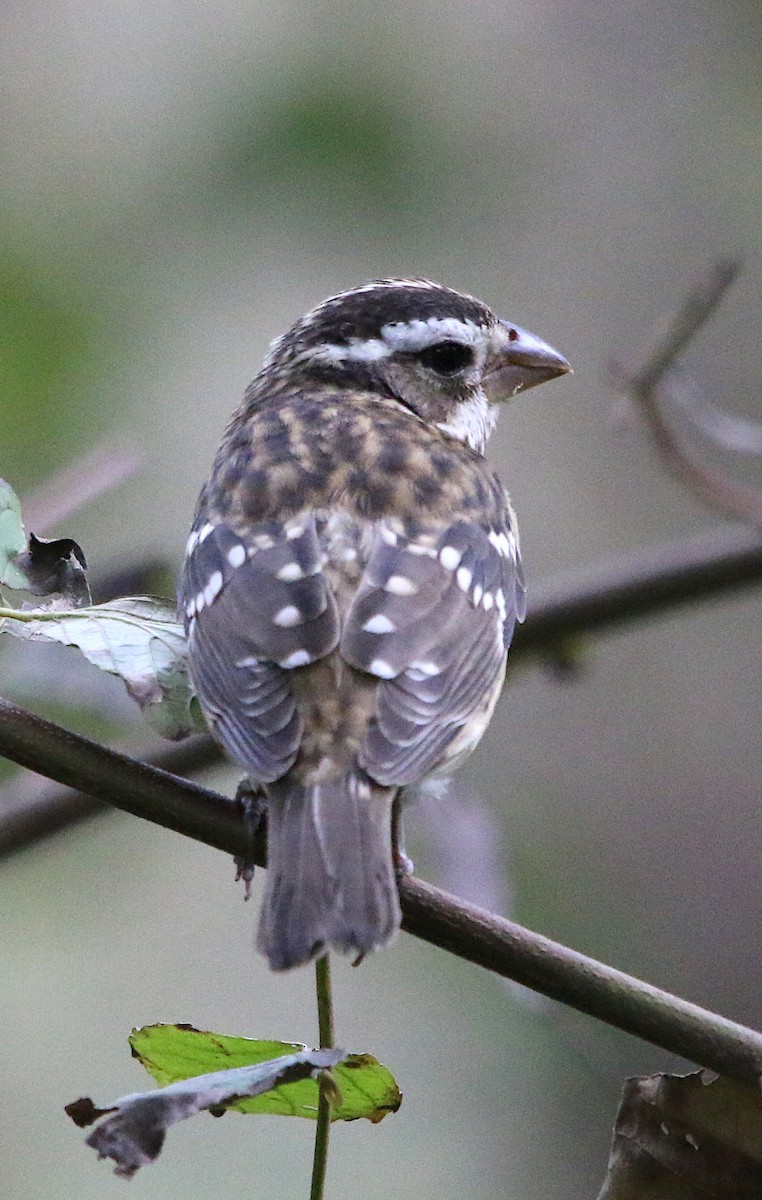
(173, 1052)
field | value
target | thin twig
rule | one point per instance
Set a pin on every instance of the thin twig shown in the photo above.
(469, 932)
(728, 495)
(326, 1032)
(583, 983)
(99, 470)
(324, 996)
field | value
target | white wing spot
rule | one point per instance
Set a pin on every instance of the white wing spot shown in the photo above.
(290, 572)
(204, 532)
(478, 593)
(379, 623)
(213, 587)
(388, 535)
(464, 577)
(288, 617)
(400, 585)
(450, 557)
(262, 541)
(294, 532)
(382, 669)
(200, 602)
(417, 548)
(488, 601)
(423, 670)
(191, 543)
(190, 609)
(237, 555)
(299, 658)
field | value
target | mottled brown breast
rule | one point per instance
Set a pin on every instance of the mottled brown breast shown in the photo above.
(368, 454)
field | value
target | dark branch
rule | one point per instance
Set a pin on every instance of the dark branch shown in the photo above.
(469, 932)
(634, 588)
(640, 586)
(583, 983)
(27, 819)
(116, 779)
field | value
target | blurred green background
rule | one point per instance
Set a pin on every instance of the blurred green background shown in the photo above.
(181, 181)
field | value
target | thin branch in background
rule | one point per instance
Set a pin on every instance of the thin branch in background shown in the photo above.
(25, 820)
(638, 587)
(647, 386)
(98, 471)
(635, 588)
(471, 933)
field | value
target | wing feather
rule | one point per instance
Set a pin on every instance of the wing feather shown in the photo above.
(433, 619)
(256, 607)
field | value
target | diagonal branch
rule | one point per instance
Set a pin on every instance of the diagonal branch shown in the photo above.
(470, 932)
(645, 386)
(640, 586)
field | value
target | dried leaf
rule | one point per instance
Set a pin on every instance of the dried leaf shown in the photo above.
(41, 567)
(135, 1126)
(55, 565)
(680, 1137)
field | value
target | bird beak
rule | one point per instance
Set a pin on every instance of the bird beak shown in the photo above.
(519, 360)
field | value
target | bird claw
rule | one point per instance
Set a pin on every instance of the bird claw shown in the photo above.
(403, 863)
(253, 808)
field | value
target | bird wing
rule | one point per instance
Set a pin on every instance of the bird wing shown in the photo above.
(432, 619)
(256, 607)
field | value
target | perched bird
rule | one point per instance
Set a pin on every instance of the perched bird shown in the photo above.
(351, 586)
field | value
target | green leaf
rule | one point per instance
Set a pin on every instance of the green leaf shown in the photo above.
(173, 1052)
(137, 638)
(12, 538)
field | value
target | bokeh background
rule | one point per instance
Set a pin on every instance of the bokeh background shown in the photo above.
(182, 180)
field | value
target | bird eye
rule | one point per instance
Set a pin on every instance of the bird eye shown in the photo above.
(446, 358)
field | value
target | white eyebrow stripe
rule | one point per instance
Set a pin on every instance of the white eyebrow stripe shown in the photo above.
(417, 335)
(401, 337)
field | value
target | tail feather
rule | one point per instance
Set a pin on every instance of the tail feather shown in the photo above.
(330, 878)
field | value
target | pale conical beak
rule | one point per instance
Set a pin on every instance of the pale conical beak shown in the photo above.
(518, 361)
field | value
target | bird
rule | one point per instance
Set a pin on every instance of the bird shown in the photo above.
(351, 585)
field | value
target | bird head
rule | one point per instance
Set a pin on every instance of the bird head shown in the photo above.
(442, 354)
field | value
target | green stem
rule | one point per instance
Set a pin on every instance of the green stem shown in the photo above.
(324, 1003)
(323, 1125)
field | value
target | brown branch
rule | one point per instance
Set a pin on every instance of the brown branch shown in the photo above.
(583, 983)
(27, 819)
(635, 588)
(728, 495)
(464, 930)
(640, 586)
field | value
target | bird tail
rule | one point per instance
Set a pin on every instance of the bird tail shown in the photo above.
(330, 878)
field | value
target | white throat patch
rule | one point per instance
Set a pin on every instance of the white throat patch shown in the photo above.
(473, 422)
